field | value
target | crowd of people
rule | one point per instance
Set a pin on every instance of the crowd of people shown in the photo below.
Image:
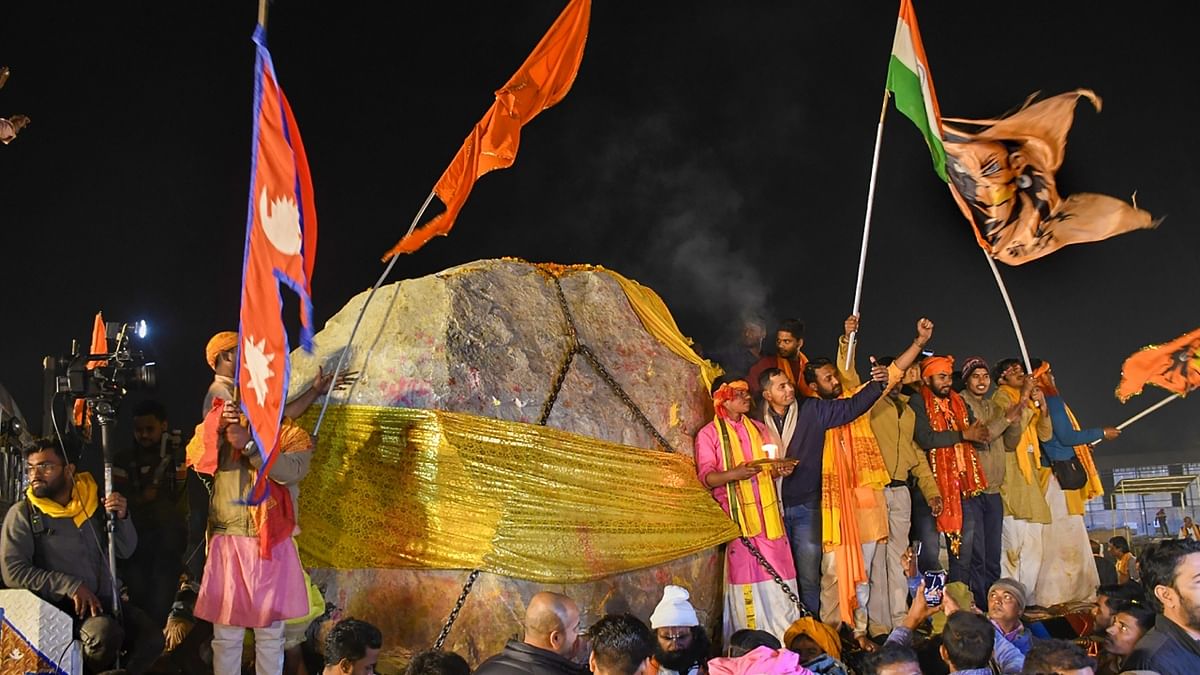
(847, 495)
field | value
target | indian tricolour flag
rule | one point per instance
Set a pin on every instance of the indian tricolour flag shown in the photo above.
(909, 81)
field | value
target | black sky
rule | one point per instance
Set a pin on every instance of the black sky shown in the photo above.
(718, 152)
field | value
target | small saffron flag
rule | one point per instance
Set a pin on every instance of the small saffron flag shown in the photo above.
(99, 346)
(542, 81)
(281, 238)
(1174, 366)
(911, 84)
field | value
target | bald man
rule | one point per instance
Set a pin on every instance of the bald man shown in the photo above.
(551, 637)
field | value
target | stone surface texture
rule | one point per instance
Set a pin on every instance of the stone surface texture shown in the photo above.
(488, 338)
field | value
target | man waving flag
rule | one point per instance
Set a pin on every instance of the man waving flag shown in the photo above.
(281, 240)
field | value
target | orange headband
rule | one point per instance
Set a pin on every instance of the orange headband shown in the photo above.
(727, 392)
(937, 365)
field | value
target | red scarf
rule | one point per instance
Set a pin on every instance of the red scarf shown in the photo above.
(275, 517)
(955, 468)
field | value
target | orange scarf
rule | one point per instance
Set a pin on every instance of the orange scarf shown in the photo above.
(852, 479)
(796, 375)
(955, 468)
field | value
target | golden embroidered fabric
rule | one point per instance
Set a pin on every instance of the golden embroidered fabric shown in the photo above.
(409, 488)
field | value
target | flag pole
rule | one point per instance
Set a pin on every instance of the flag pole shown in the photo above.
(862, 255)
(357, 322)
(262, 13)
(1012, 313)
(1142, 414)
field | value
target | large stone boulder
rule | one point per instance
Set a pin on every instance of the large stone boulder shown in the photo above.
(490, 338)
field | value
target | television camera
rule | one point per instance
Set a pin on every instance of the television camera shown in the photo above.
(100, 381)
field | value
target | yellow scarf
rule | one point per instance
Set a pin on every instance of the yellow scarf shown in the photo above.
(1093, 487)
(84, 500)
(744, 507)
(1029, 439)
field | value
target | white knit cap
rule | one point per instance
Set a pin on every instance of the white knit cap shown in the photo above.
(674, 609)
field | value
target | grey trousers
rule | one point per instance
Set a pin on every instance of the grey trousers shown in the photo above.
(889, 586)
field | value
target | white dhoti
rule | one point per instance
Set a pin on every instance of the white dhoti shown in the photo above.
(1021, 542)
(761, 606)
(1068, 571)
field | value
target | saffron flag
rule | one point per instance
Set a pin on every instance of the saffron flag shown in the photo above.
(1174, 366)
(911, 84)
(99, 346)
(542, 81)
(1002, 176)
(281, 238)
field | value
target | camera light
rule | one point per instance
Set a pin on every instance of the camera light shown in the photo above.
(140, 328)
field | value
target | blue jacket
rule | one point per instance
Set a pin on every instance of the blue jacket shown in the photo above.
(1062, 445)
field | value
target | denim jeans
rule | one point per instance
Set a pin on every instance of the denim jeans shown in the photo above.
(985, 564)
(971, 537)
(924, 530)
(803, 523)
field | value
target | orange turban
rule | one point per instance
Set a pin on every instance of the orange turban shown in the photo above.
(821, 633)
(221, 342)
(727, 392)
(937, 365)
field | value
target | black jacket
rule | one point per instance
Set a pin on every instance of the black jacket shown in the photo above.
(519, 658)
(1166, 649)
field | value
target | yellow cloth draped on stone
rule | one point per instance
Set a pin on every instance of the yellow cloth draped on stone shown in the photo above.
(409, 488)
(1093, 487)
(657, 321)
(743, 504)
(84, 500)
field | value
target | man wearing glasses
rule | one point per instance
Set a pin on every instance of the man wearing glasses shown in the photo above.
(54, 543)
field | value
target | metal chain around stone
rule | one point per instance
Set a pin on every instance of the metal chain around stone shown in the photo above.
(577, 348)
(573, 348)
(787, 590)
(462, 599)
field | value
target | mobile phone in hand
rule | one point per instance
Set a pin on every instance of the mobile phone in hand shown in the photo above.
(935, 587)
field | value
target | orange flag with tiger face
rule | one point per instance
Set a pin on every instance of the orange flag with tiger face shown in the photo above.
(1002, 175)
(542, 81)
(1174, 366)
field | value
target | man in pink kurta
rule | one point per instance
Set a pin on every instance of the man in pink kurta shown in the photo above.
(724, 448)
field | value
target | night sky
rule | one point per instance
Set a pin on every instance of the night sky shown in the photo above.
(718, 152)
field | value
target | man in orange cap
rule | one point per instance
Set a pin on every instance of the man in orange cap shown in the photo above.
(946, 428)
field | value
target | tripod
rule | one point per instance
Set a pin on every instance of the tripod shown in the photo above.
(106, 416)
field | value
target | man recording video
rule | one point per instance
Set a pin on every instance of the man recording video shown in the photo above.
(54, 544)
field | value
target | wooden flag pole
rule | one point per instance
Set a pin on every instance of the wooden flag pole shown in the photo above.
(262, 13)
(1142, 414)
(1012, 313)
(337, 370)
(862, 255)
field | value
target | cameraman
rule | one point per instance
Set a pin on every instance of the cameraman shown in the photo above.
(146, 473)
(53, 543)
